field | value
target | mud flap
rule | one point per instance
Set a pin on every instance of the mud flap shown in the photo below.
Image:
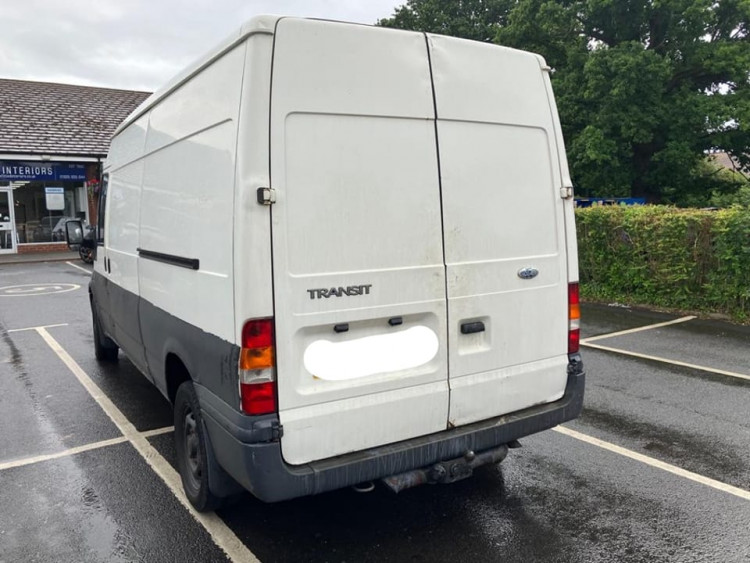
(220, 482)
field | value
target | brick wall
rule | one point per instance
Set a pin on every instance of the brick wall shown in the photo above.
(34, 248)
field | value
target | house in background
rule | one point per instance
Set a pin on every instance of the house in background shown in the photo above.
(53, 140)
(722, 160)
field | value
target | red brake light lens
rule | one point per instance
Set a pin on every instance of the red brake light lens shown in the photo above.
(257, 333)
(258, 398)
(574, 341)
(574, 318)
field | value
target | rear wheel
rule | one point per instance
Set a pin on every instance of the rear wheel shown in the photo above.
(194, 454)
(105, 348)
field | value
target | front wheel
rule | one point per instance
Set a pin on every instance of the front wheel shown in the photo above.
(87, 254)
(194, 455)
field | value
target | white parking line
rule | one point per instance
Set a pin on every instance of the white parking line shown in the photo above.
(79, 267)
(79, 449)
(667, 361)
(35, 327)
(718, 485)
(157, 432)
(64, 453)
(637, 329)
(221, 534)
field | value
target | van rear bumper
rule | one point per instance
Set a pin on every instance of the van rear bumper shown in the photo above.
(245, 446)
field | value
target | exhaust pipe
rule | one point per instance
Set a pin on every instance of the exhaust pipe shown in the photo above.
(366, 487)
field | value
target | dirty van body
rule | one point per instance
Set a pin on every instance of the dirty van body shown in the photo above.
(344, 253)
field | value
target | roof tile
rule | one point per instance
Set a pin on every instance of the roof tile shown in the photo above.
(48, 118)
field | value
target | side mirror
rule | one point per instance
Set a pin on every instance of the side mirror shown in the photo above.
(73, 233)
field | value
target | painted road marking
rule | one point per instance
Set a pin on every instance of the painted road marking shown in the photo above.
(30, 289)
(221, 534)
(80, 449)
(667, 361)
(35, 327)
(637, 329)
(157, 432)
(79, 267)
(64, 453)
(718, 485)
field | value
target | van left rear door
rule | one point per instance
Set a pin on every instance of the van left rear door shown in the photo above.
(359, 279)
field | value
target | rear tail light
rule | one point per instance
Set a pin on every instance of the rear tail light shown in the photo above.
(574, 318)
(257, 367)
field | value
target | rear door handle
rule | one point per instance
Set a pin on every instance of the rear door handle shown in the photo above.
(471, 328)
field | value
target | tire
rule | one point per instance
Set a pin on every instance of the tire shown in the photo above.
(105, 348)
(194, 454)
(86, 254)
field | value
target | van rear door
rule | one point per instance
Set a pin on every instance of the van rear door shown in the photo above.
(359, 275)
(504, 229)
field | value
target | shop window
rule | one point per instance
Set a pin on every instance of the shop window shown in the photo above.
(42, 208)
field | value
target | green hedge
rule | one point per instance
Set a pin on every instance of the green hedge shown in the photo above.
(666, 257)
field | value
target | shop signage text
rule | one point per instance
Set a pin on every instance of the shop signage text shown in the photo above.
(41, 171)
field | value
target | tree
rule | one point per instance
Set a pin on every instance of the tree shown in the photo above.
(644, 87)
(471, 19)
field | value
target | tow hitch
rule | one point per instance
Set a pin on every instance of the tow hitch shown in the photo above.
(446, 471)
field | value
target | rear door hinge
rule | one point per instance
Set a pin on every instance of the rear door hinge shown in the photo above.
(266, 196)
(566, 192)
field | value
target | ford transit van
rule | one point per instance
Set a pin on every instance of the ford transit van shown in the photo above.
(345, 254)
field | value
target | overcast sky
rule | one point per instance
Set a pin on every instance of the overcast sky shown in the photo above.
(138, 44)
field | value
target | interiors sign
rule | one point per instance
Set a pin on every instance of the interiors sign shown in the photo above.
(13, 170)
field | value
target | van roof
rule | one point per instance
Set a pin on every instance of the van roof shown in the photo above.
(264, 24)
(259, 24)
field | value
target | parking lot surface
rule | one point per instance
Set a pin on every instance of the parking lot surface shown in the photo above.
(655, 469)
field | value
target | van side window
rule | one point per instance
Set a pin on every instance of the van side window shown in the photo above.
(102, 209)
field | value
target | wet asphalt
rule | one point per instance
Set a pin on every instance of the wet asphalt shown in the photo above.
(556, 499)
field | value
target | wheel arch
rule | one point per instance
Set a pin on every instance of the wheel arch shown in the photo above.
(175, 373)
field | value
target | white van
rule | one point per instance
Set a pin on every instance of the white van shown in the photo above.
(345, 253)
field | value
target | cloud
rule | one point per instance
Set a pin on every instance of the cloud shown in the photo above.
(138, 44)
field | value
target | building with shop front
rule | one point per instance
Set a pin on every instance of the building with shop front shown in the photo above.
(53, 141)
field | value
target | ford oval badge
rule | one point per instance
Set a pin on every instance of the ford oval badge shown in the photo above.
(528, 273)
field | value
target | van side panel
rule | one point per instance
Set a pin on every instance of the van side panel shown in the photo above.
(128, 144)
(188, 194)
(188, 189)
(503, 218)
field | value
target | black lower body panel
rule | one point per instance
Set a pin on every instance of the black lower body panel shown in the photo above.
(249, 450)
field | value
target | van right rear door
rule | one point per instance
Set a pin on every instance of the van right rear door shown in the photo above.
(504, 229)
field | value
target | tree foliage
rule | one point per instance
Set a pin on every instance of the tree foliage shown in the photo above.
(479, 20)
(644, 87)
